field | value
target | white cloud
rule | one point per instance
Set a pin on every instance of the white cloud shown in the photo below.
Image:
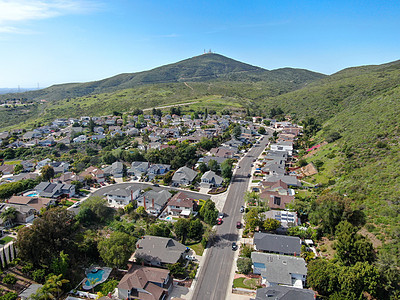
(15, 12)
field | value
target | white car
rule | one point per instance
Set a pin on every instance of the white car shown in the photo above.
(190, 257)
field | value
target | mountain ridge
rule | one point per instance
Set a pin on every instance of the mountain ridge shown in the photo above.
(205, 67)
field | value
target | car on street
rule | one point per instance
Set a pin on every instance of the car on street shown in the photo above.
(234, 246)
(190, 257)
(242, 209)
(156, 184)
(219, 221)
(221, 215)
(238, 225)
(249, 175)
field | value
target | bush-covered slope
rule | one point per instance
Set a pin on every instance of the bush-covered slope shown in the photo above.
(206, 67)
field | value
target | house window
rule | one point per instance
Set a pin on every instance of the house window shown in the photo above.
(277, 200)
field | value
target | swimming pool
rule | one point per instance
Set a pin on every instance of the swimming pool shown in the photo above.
(34, 194)
(168, 218)
(94, 278)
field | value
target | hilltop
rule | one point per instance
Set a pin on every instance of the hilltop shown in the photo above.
(206, 67)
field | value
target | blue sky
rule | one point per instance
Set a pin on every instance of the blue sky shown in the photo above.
(60, 41)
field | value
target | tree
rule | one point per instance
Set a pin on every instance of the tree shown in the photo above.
(51, 233)
(226, 169)
(18, 169)
(244, 265)
(60, 264)
(98, 206)
(213, 166)
(9, 214)
(261, 130)
(52, 287)
(195, 230)
(253, 220)
(47, 172)
(116, 250)
(176, 270)
(208, 212)
(246, 250)
(109, 158)
(203, 167)
(322, 276)
(181, 228)
(352, 247)
(237, 131)
(168, 177)
(271, 224)
(159, 229)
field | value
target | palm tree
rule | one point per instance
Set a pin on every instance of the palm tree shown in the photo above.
(9, 214)
(52, 287)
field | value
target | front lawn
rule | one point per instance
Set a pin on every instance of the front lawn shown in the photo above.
(198, 248)
(6, 239)
(247, 283)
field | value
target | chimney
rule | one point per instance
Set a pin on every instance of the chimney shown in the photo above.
(152, 202)
(131, 195)
(144, 202)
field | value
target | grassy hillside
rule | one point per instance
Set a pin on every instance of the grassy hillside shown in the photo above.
(206, 67)
(346, 89)
(239, 93)
(362, 104)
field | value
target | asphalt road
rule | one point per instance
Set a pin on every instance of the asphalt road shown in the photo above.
(213, 278)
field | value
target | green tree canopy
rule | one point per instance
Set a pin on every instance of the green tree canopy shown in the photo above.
(47, 172)
(181, 228)
(244, 265)
(116, 250)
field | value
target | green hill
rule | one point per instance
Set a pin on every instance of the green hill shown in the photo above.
(206, 67)
(362, 105)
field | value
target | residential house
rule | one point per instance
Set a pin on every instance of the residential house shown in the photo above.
(43, 163)
(283, 146)
(121, 197)
(55, 190)
(7, 169)
(138, 168)
(278, 269)
(222, 152)
(274, 243)
(116, 170)
(154, 202)
(184, 176)
(282, 292)
(210, 179)
(80, 139)
(33, 202)
(180, 205)
(145, 283)
(276, 194)
(24, 214)
(96, 174)
(158, 251)
(206, 159)
(286, 218)
(288, 179)
(68, 177)
(158, 169)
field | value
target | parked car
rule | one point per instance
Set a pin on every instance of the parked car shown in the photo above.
(221, 215)
(190, 257)
(249, 175)
(238, 225)
(219, 221)
(156, 184)
(242, 209)
(234, 246)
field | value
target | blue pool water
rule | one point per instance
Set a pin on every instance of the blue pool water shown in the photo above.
(33, 194)
(94, 276)
(169, 218)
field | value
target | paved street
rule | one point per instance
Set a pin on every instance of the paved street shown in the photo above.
(213, 278)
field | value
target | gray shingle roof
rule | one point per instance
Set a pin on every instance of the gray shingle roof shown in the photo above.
(280, 292)
(279, 268)
(184, 173)
(164, 250)
(277, 243)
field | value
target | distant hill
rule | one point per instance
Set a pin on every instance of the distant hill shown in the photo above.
(202, 68)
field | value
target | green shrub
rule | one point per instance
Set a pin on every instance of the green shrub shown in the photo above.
(9, 279)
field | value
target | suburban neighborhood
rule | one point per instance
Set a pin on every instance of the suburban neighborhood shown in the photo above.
(157, 190)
